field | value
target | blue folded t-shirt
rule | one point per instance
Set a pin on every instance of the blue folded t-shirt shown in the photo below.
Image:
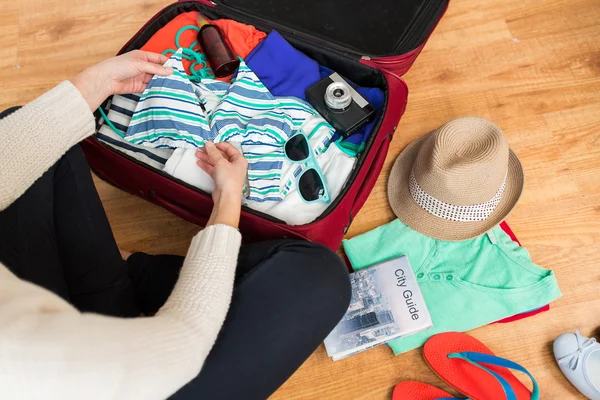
(286, 71)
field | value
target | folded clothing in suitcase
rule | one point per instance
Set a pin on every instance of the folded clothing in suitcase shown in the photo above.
(175, 112)
(353, 31)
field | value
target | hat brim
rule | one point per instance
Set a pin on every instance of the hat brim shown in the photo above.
(411, 214)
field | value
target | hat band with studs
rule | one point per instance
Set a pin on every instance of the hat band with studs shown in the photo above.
(441, 209)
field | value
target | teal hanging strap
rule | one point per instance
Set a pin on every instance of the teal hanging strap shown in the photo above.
(109, 123)
(199, 69)
(180, 32)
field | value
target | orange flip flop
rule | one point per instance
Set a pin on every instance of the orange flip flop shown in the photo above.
(410, 390)
(471, 368)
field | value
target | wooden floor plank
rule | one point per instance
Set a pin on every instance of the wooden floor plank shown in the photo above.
(9, 35)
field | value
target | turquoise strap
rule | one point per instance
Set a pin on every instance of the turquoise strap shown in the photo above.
(110, 124)
(475, 358)
(180, 32)
(199, 69)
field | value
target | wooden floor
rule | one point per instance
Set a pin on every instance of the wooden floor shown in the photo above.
(532, 66)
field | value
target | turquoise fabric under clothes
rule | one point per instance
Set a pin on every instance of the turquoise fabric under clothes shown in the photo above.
(465, 284)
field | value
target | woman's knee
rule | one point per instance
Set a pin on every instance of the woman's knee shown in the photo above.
(73, 162)
(322, 272)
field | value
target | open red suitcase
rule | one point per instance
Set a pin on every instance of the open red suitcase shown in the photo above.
(372, 43)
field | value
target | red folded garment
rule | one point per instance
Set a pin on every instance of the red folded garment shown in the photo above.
(524, 315)
(527, 314)
(164, 39)
(242, 38)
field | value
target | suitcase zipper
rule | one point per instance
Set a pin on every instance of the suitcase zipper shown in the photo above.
(282, 28)
(413, 41)
(425, 23)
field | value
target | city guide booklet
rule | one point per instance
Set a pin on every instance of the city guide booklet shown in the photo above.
(386, 304)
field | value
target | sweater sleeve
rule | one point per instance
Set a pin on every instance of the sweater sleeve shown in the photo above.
(50, 350)
(34, 137)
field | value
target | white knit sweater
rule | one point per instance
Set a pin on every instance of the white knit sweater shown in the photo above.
(48, 349)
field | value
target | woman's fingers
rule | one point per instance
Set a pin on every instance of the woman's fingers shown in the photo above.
(204, 161)
(213, 152)
(153, 57)
(232, 154)
(147, 78)
(209, 169)
(230, 151)
(154, 69)
(201, 155)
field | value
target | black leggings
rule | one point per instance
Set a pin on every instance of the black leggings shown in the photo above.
(288, 294)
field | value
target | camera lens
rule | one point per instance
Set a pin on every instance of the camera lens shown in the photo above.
(337, 96)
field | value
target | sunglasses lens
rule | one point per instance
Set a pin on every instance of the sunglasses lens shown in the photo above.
(297, 148)
(310, 185)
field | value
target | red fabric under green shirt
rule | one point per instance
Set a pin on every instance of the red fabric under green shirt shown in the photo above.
(531, 313)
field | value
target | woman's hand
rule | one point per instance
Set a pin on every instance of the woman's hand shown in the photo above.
(127, 73)
(228, 168)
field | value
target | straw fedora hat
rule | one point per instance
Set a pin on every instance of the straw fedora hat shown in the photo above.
(456, 182)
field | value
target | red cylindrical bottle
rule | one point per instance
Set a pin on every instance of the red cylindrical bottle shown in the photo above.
(220, 57)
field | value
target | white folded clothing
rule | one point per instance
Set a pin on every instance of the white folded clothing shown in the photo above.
(293, 210)
(182, 165)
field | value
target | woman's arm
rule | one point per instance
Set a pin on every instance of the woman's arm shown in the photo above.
(51, 351)
(33, 138)
(228, 167)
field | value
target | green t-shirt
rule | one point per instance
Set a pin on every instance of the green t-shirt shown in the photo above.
(465, 284)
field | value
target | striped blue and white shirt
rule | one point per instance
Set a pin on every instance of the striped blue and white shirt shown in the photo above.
(175, 112)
